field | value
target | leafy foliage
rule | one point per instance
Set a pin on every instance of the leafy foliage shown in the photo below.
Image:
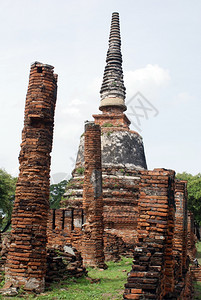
(194, 193)
(56, 193)
(7, 195)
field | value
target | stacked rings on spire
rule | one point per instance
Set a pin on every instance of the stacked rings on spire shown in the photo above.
(113, 84)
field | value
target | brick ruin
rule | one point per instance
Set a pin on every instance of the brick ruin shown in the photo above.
(26, 259)
(154, 267)
(144, 212)
(122, 153)
(92, 241)
(113, 204)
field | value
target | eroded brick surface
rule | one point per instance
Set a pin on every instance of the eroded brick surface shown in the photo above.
(63, 262)
(161, 266)
(139, 212)
(151, 276)
(191, 239)
(26, 260)
(64, 227)
(92, 242)
(180, 234)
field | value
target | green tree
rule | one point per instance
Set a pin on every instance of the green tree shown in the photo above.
(56, 193)
(7, 196)
(194, 193)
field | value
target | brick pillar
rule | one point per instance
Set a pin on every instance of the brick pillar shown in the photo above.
(26, 261)
(191, 238)
(93, 254)
(180, 233)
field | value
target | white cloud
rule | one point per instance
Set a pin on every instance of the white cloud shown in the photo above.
(73, 108)
(95, 86)
(76, 102)
(72, 111)
(147, 80)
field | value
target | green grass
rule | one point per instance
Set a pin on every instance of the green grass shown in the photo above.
(197, 290)
(197, 285)
(198, 246)
(80, 170)
(108, 125)
(110, 285)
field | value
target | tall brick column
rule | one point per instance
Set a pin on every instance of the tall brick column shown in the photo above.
(26, 261)
(191, 238)
(93, 254)
(180, 232)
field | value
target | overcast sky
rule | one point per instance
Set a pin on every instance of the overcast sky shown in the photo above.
(161, 48)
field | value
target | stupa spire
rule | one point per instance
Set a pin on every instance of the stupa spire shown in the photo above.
(113, 90)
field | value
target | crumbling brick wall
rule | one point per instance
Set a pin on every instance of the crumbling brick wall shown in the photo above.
(151, 276)
(26, 261)
(161, 265)
(62, 263)
(120, 211)
(120, 202)
(64, 227)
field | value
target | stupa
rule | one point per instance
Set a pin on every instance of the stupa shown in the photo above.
(122, 151)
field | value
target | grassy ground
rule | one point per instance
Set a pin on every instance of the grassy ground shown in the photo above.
(197, 290)
(198, 246)
(109, 285)
(101, 285)
(197, 285)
